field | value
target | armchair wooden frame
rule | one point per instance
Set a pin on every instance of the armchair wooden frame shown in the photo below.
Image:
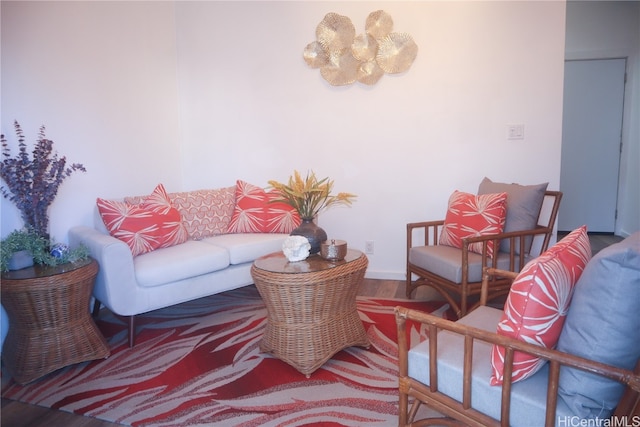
(458, 294)
(461, 413)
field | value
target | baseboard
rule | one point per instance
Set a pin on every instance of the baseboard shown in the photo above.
(385, 275)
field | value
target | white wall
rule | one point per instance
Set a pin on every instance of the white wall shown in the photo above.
(199, 94)
(101, 76)
(402, 145)
(611, 29)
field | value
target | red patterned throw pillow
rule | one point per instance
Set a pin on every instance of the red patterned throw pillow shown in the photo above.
(538, 302)
(255, 213)
(469, 215)
(144, 227)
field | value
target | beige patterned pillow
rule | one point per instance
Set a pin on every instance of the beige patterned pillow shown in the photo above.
(205, 213)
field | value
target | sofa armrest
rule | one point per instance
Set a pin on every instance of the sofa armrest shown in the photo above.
(462, 410)
(116, 284)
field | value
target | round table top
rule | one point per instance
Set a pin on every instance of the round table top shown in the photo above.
(277, 263)
(37, 271)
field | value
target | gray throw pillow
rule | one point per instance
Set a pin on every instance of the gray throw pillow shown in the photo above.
(603, 324)
(524, 203)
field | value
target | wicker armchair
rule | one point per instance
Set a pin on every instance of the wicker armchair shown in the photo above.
(456, 273)
(450, 373)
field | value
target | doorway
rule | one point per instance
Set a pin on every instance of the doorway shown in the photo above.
(591, 143)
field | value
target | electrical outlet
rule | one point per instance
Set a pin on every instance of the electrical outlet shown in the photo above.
(515, 132)
(368, 247)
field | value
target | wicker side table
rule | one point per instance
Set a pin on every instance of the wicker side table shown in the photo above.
(311, 307)
(49, 322)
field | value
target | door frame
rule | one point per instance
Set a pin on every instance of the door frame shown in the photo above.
(601, 56)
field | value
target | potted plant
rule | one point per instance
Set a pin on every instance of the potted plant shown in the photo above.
(23, 248)
(309, 197)
(32, 184)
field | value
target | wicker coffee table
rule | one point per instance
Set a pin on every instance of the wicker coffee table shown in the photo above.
(311, 307)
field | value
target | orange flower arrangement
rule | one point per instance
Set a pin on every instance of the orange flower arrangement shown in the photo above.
(310, 196)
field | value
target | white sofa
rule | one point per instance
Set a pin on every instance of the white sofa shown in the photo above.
(131, 285)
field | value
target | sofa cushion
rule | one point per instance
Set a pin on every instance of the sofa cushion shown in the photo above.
(528, 398)
(246, 247)
(150, 225)
(470, 215)
(256, 212)
(603, 324)
(446, 261)
(524, 203)
(190, 259)
(538, 302)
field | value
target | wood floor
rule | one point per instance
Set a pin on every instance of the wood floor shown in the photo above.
(16, 414)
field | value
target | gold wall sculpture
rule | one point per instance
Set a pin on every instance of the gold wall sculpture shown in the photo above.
(344, 57)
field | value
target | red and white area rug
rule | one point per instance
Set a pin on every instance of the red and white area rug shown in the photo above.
(199, 363)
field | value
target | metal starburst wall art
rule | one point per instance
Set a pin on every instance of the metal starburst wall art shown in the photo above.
(344, 57)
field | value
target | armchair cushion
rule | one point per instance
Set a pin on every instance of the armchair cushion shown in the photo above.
(470, 215)
(523, 207)
(444, 261)
(528, 398)
(538, 302)
(603, 324)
